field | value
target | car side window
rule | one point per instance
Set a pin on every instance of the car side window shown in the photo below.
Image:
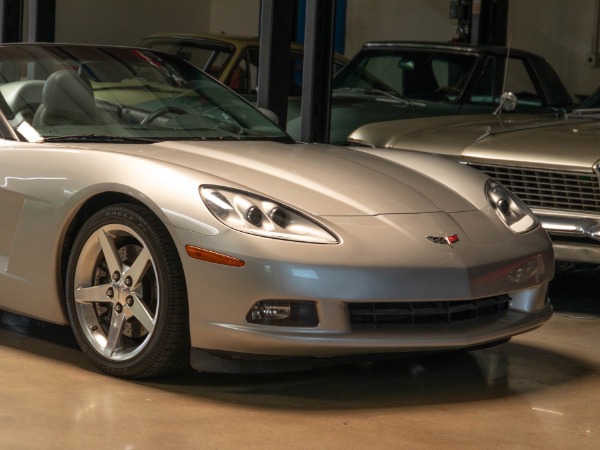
(485, 91)
(519, 82)
(489, 86)
(243, 77)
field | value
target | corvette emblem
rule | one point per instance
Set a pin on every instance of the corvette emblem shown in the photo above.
(450, 240)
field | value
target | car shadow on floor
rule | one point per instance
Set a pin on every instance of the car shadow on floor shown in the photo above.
(576, 294)
(449, 377)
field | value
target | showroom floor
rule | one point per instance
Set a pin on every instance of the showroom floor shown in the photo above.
(539, 391)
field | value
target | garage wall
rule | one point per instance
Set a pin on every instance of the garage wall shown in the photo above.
(237, 17)
(558, 30)
(125, 22)
(372, 20)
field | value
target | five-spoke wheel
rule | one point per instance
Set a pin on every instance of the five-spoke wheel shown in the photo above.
(126, 295)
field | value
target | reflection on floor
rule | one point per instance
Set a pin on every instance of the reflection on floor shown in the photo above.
(539, 391)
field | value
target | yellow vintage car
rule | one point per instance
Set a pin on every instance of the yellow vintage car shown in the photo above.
(233, 60)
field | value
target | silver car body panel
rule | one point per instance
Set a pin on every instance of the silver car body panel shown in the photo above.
(383, 254)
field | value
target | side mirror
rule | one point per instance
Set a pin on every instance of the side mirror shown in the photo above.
(508, 102)
(269, 115)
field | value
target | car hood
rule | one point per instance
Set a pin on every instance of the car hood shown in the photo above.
(320, 179)
(551, 142)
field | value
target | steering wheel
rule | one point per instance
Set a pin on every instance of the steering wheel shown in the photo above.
(161, 112)
(447, 91)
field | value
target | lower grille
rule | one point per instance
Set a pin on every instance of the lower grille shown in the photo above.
(423, 313)
(571, 191)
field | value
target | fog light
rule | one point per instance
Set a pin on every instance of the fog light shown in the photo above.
(286, 314)
(271, 310)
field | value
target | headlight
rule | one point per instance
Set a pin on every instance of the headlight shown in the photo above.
(254, 214)
(510, 208)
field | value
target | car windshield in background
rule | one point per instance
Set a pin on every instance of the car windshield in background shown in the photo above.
(233, 60)
(416, 75)
(124, 94)
(212, 57)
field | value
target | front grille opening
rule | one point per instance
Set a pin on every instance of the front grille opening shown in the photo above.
(426, 313)
(572, 191)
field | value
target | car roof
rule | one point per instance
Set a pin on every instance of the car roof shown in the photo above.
(229, 40)
(237, 41)
(448, 46)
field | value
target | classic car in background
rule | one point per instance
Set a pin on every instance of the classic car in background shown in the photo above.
(230, 59)
(166, 220)
(552, 163)
(387, 80)
(400, 80)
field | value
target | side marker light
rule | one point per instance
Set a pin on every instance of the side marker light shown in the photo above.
(213, 257)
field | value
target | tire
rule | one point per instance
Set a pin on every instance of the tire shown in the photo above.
(126, 296)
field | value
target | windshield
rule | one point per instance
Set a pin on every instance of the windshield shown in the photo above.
(206, 54)
(418, 74)
(66, 92)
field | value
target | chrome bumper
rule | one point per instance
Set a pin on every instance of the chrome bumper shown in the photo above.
(575, 236)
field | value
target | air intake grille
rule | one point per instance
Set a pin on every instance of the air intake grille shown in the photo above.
(418, 313)
(571, 191)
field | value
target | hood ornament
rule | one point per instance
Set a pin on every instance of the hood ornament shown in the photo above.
(450, 240)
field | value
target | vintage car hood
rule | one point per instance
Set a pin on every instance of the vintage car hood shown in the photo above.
(320, 179)
(516, 139)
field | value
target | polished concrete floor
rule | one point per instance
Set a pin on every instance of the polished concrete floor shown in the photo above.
(539, 391)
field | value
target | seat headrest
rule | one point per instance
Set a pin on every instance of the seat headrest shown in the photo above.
(66, 95)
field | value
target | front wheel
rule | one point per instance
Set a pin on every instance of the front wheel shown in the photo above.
(126, 294)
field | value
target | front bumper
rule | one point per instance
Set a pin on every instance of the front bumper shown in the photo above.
(399, 266)
(305, 349)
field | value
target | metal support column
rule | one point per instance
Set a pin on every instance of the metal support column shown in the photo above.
(274, 61)
(317, 71)
(11, 20)
(480, 21)
(493, 22)
(42, 20)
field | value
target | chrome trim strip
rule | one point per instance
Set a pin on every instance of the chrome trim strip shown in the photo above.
(570, 225)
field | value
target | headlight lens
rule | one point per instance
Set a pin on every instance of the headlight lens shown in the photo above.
(510, 208)
(254, 214)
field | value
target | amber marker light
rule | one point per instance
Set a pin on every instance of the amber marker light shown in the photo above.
(213, 257)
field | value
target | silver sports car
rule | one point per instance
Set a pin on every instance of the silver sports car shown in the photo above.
(168, 221)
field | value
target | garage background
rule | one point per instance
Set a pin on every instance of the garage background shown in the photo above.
(565, 33)
(539, 391)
